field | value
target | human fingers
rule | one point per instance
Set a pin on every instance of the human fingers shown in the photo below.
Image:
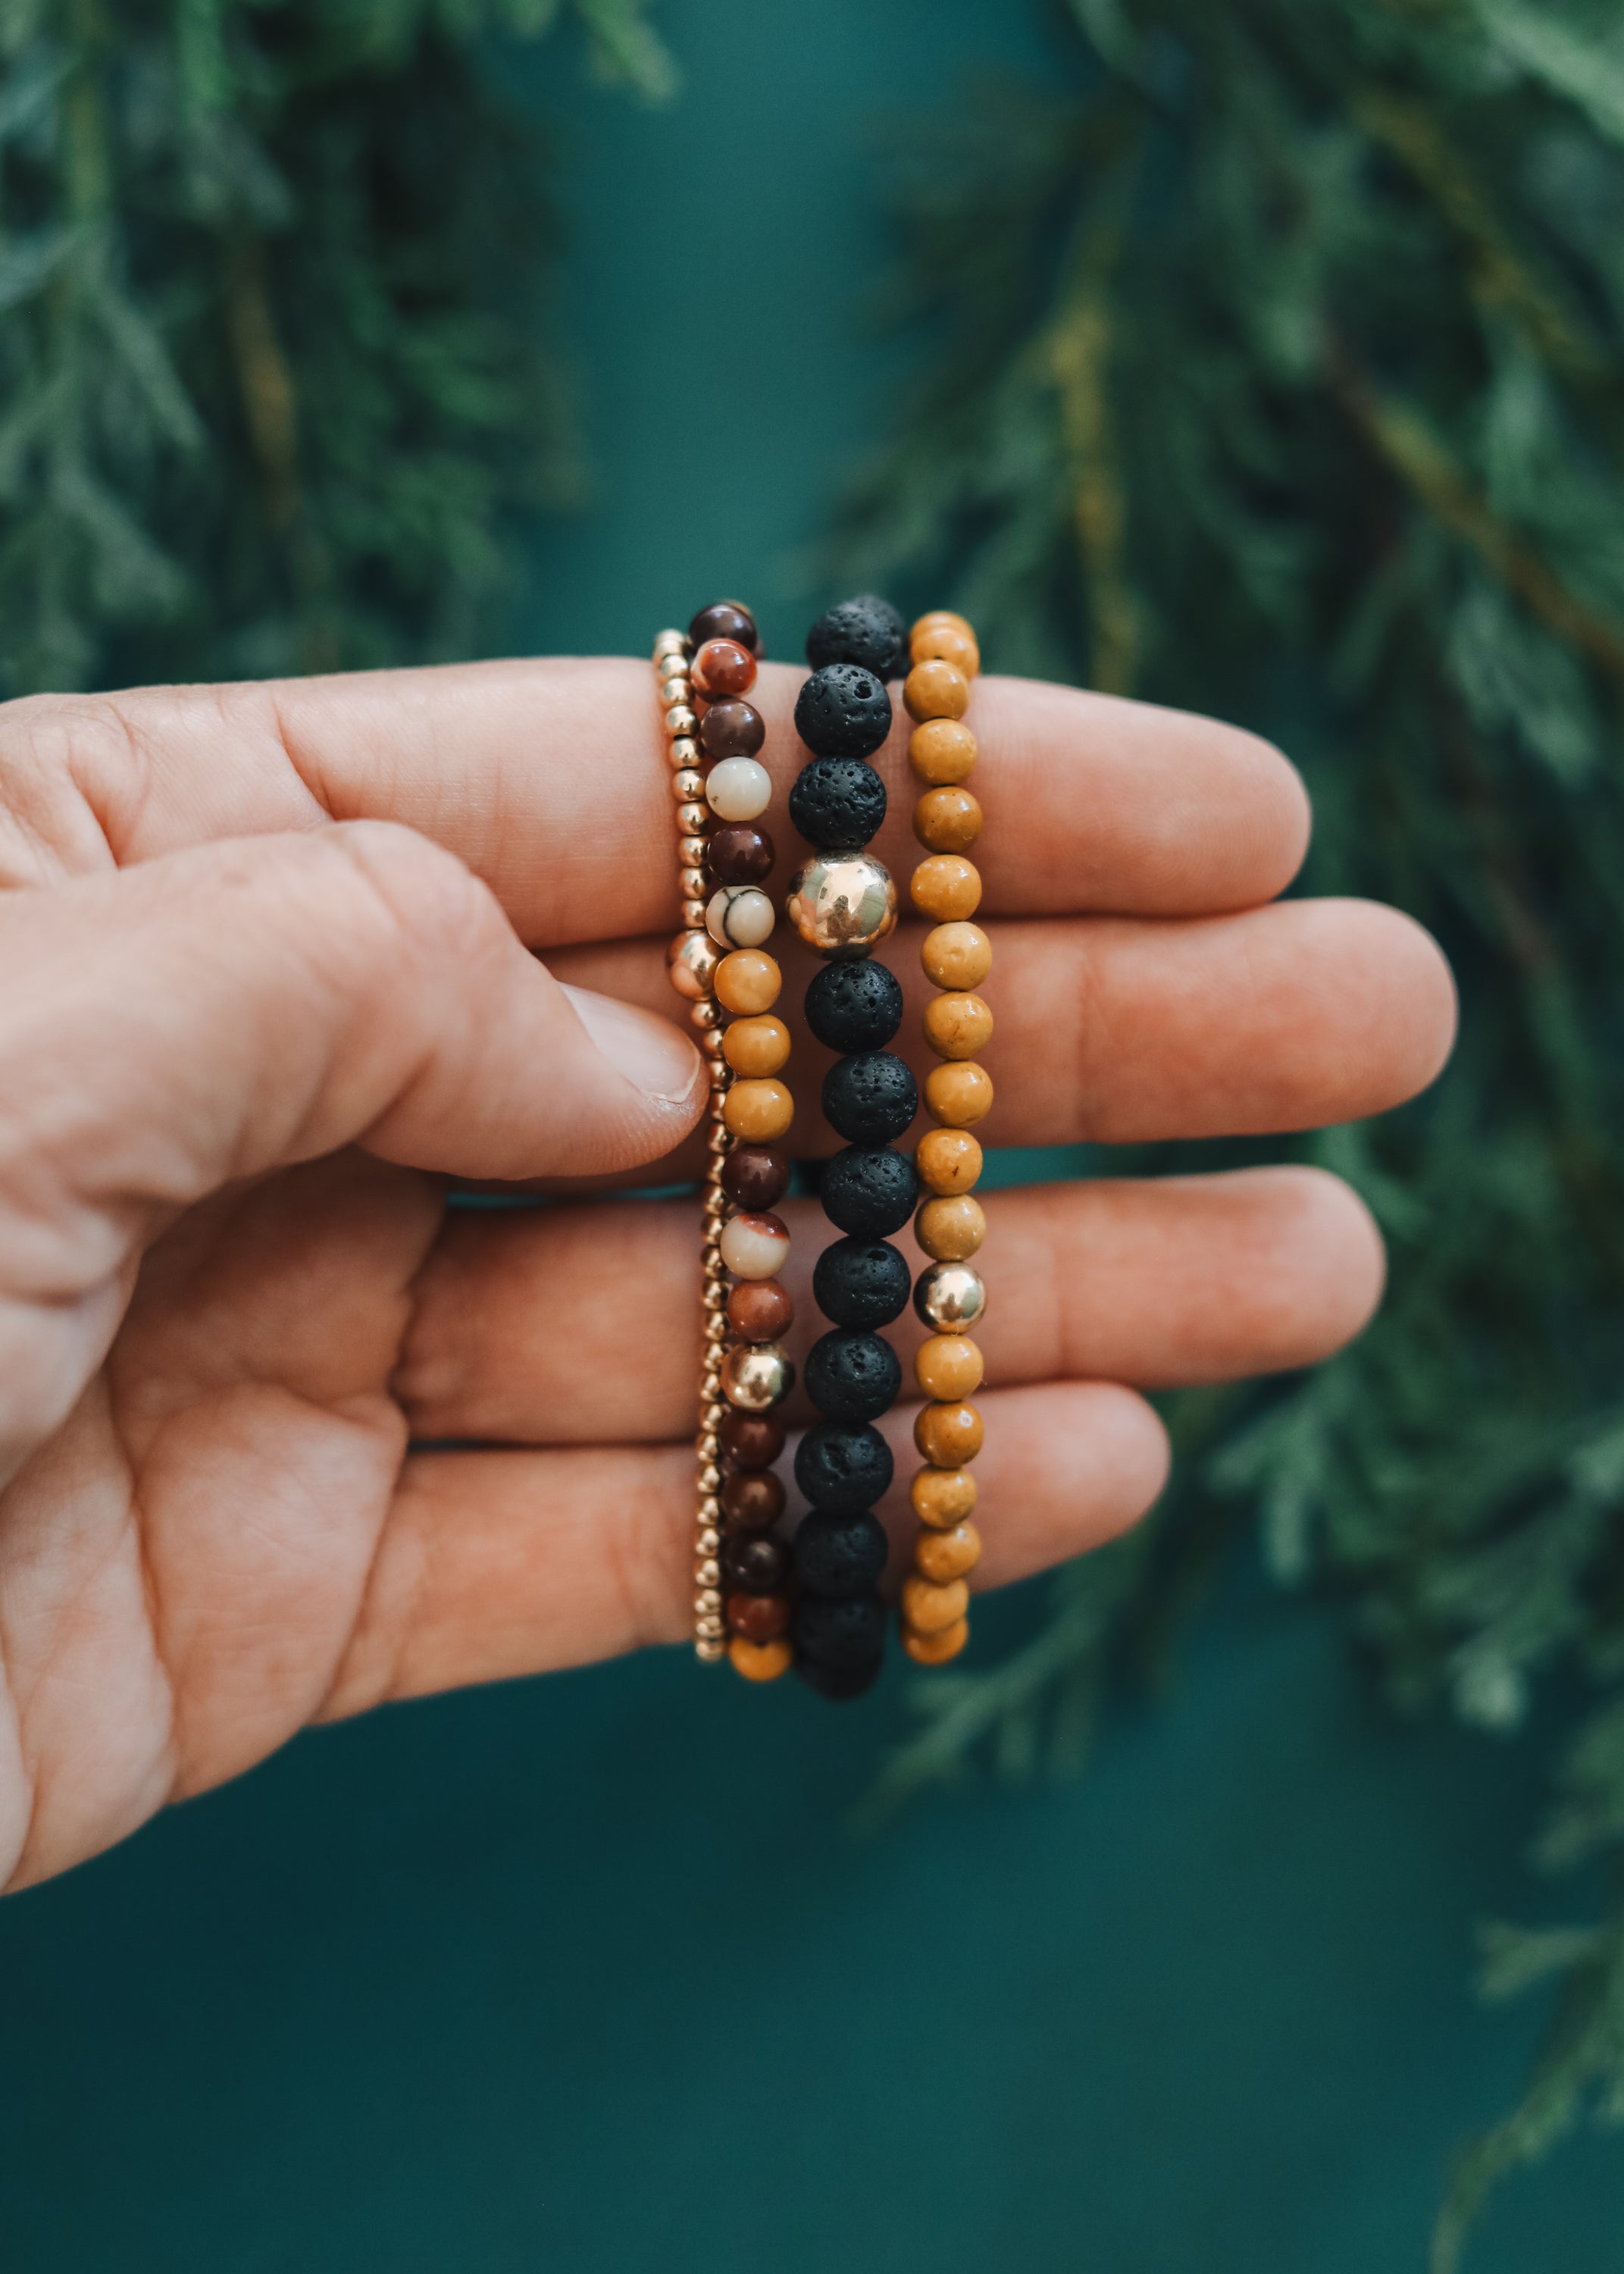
(494, 1565)
(1116, 1030)
(548, 778)
(219, 1013)
(577, 1324)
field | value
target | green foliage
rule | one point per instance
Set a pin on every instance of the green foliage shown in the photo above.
(1283, 377)
(273, 372)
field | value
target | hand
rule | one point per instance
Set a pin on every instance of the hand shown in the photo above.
(267, 995)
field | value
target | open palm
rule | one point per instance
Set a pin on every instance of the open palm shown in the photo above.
(283, 1436)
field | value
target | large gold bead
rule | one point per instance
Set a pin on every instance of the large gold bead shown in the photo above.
(691, 960)
(949, 1297)
(842, 904)
(757, 1376)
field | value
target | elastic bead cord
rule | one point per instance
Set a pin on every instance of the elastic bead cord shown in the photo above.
(950, 1296)
(843, 903)
(741, 1609)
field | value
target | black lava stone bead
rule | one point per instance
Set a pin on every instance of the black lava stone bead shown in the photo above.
(837, 1555)
(868, 1190)
(843, 712)
(837, 1684)
(838, 804)
(866, 631)
(871, 1098)
(862, 1283)
(755, 1562)
(854, 1006)
(844, 1466)
(851, 1377)
(849, 1632)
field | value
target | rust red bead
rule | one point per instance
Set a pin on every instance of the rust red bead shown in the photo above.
(760, 1310)
(758, 1618)
(750, 1440)
(752, 1499)
(723, 668)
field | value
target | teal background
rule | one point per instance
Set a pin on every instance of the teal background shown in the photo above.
(592, 1973)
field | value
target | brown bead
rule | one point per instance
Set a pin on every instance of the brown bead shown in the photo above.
(958, 1025)
(756, 1046)
(752, 1499)
(946, 887)
(941, 751)
(739, 852)
(758, 1618)
(747, 981)
(936, 1649)
(755, 1175)
(948, 1365)
(760, 1310)
(929, 1608)
(936, 690)
(947, 1161)
(731, 730)
(951, 1227)
(943, 1497)
(749, 1440)
(759, 1111)
(728, 619)
(956, 955)
(948, 1435)
(722, 666)
(942, 1556)
(760, 1661)
(958, 1093)
(939, 641)
(947, 820)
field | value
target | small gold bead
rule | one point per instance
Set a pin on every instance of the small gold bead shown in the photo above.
(709, 1539)
(688, 786)
(710, 1650)
(710, 1383)
(680, 719)
(675, 691)
(691, 855)
(684, 752)
(708, 1599)
(707, 1011)
(721, 1073)
(693, 914)
(687, 816)
(709, 1510)
(714, 1045)
(720, 1141)
(707, 1571)
(670, 642)
(708, 1446)
(691, 883)
(709, 1478)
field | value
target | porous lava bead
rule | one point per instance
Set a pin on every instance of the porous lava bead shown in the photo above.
(725, 620)
(852, 1376)
(845, 1632)
(837, 1683)
(868, 1190)
(871, 1098)
(760, 1310)
(854, 1006)
(752, 1499)
(844, 1466)
(732, 730)
(749, 1440)
(862, 1283)
(755, 1175)
(758, 1618)
(843, 712)
(867, 631)
(755, 1562)
(740, 854)
(837, 803)
(837, 1555)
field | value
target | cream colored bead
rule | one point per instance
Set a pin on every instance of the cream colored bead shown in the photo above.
(738, 790)
(739, 915)
(754, 1246)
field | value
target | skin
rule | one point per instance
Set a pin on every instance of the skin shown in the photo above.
(276, 977)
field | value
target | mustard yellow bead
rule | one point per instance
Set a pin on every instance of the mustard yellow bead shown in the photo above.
(942, 1556)
(948, 1435)
(947, 1161)
(951, 1228)
(760, 1661)
(747, 981)
(758, 1112)
(940, 616)
(943, 1497)
(936, 1649)
(956, 955)
(947, 888)
(756, 1046)
(941, 751)
(948, 1366)
(946, 820)
(956, 1026)
(943, 641)
(957, 1094)
(929, 1609)
(936, 690)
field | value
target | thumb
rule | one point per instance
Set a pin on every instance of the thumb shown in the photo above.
(223, 1011)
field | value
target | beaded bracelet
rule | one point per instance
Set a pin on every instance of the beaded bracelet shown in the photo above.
(718, 963)
(843, 903)
(951, 1225)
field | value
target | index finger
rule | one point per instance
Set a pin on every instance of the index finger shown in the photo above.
(549, 780)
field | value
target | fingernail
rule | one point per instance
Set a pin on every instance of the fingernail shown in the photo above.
(647, 1051)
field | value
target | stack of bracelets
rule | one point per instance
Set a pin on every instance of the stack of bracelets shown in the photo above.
(843, 903)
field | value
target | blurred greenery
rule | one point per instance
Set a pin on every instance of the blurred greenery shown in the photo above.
(1283, 377)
